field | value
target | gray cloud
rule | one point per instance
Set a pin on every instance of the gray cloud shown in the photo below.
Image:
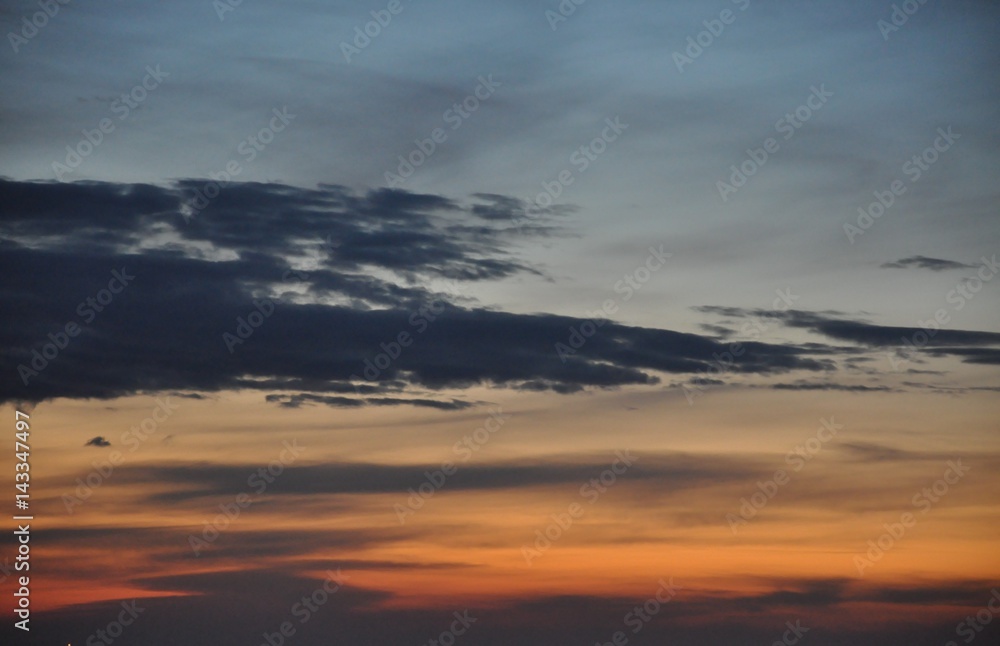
(923, 262)
(62, 240)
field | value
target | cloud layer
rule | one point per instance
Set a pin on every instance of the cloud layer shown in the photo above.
(319, 291)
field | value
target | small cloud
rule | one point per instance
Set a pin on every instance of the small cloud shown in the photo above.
(98, 441)
(923, 262)
(852, 388)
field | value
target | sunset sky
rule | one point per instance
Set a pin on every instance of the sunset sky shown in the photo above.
(535, 323)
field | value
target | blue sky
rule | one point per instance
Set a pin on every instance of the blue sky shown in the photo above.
(556, 88)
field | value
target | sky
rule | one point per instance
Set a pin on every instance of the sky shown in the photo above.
(416, 321)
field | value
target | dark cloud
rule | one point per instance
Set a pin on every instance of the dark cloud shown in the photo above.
(951, 390)
(675, 471)
(295, 401)
(972, 346)
(330, 323)
(851, 388)
(983, 356)
(705, 381)
(97, 441)
(870, 334)
(534, 219)
(263, 598)
(923, 262)
(171, 544)
(868, 452)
